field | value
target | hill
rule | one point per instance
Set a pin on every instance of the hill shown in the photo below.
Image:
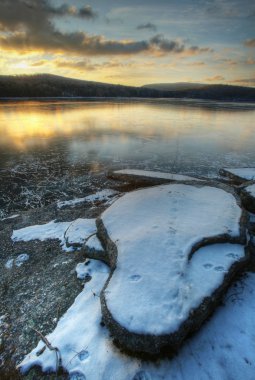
(205, 91)
(178, 86)
(48, 86)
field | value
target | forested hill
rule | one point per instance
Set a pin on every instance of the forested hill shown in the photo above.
(46, 85)
(205, 91)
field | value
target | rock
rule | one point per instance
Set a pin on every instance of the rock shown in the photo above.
(247, 194)
(171, 261)
(93, 249)
(147, 178)
(238, 175)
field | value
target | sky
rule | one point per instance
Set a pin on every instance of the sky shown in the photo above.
(131, 42)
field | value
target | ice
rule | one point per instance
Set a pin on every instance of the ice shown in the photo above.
(247, 174)
(152, 174)
(153, 287)
(68, 233)
(106, 195)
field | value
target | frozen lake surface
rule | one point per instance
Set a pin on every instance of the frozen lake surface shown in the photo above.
(59, 149)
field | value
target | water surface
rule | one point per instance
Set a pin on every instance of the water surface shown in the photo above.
(51, 149)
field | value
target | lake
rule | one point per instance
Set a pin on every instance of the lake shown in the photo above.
(61, 148)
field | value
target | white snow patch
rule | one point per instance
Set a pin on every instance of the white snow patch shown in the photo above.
(10, 217)
(247, 174)
(152, 174)
(251, 190)
(79, 231)
(2, 318)
(83, 270)
(94, 243)
(21, 259)
(76, 232)
(106, 195)
(154, 286)
(9, 264)
(222, 349)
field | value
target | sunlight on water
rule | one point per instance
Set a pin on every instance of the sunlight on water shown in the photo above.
(125, 129)
(52, 149)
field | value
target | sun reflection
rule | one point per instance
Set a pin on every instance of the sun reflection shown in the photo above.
(27, 124)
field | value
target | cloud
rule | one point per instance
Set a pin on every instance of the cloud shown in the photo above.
(87, 12)
(35, 15)
(230, 9)
(148, 26)
(216, 78)
(246, 81)
(31, 28)
(197, 63)
(38, 63)
(250, 43)
(250, 61)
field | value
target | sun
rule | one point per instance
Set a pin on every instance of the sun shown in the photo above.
(22, 65)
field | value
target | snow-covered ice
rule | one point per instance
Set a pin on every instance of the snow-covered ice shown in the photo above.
(155, 285)
(224, 348)
(246, 174)
(73, 233)
(152, 174)
(106, 195)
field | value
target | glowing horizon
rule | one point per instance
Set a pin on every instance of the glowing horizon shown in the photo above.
(131, 42)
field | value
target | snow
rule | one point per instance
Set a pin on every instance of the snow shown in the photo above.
(73, 233)
(10, 217)
(94, 243)
(9, 264)
(247, 174)
(224, 347)
(251, 190)
(20, 260)
(106, 195)
(152, 174)
(154, 285)
(83, 270)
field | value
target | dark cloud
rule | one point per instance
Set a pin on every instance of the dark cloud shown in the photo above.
(77, 65)
(31, 27)
(87, 12)
(33, 14)
(166, 45)
(147, 26)
(250, 43)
